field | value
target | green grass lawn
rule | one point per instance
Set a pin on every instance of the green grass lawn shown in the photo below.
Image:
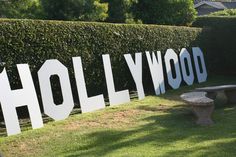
(156, 126)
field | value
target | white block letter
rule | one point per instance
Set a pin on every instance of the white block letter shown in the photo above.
(48, 69)
(136, 71)
(184, 55)
(201, 76)
(115, 98)
(10, 99)
(173, 82)
(156, 69)
(86, 104)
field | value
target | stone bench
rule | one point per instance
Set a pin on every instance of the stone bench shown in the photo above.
(202, 106)
(228, 90)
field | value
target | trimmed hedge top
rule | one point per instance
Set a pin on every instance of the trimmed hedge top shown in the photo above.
(215, 21)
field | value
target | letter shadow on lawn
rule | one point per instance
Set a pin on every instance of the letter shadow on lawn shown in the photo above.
(25, 123)
(163, 131)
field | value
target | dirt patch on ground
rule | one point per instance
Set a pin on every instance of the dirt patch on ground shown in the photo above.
(27, 147)
(116, 119)
(108, 120)
(155, 108)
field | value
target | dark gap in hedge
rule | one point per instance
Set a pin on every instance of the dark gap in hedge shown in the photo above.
(186, 66)
(200, 64)
(173, 70)
(22, 111)
(1, 115)
(56, 89)
(14, 78)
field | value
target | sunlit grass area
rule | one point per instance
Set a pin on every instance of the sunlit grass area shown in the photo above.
(156, 126)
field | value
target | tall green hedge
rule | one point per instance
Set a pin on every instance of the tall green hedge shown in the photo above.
(33, 42)
(221, 43)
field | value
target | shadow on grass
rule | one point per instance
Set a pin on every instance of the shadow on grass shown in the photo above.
(164, 130)
(25, 124)
(174, 126)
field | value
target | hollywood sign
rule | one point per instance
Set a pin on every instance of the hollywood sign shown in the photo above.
(10, 99)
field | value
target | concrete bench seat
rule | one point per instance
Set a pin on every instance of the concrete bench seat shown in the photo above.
(228, 90)
(202, 106)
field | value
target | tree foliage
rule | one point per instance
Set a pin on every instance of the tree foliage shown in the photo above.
(29, 9)
(177, 12)
(173, 12)
(120, 11)
(86, 10)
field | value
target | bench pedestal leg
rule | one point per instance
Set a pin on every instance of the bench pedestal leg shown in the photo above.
(211, 95)
(231, 96)
(203, 114)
